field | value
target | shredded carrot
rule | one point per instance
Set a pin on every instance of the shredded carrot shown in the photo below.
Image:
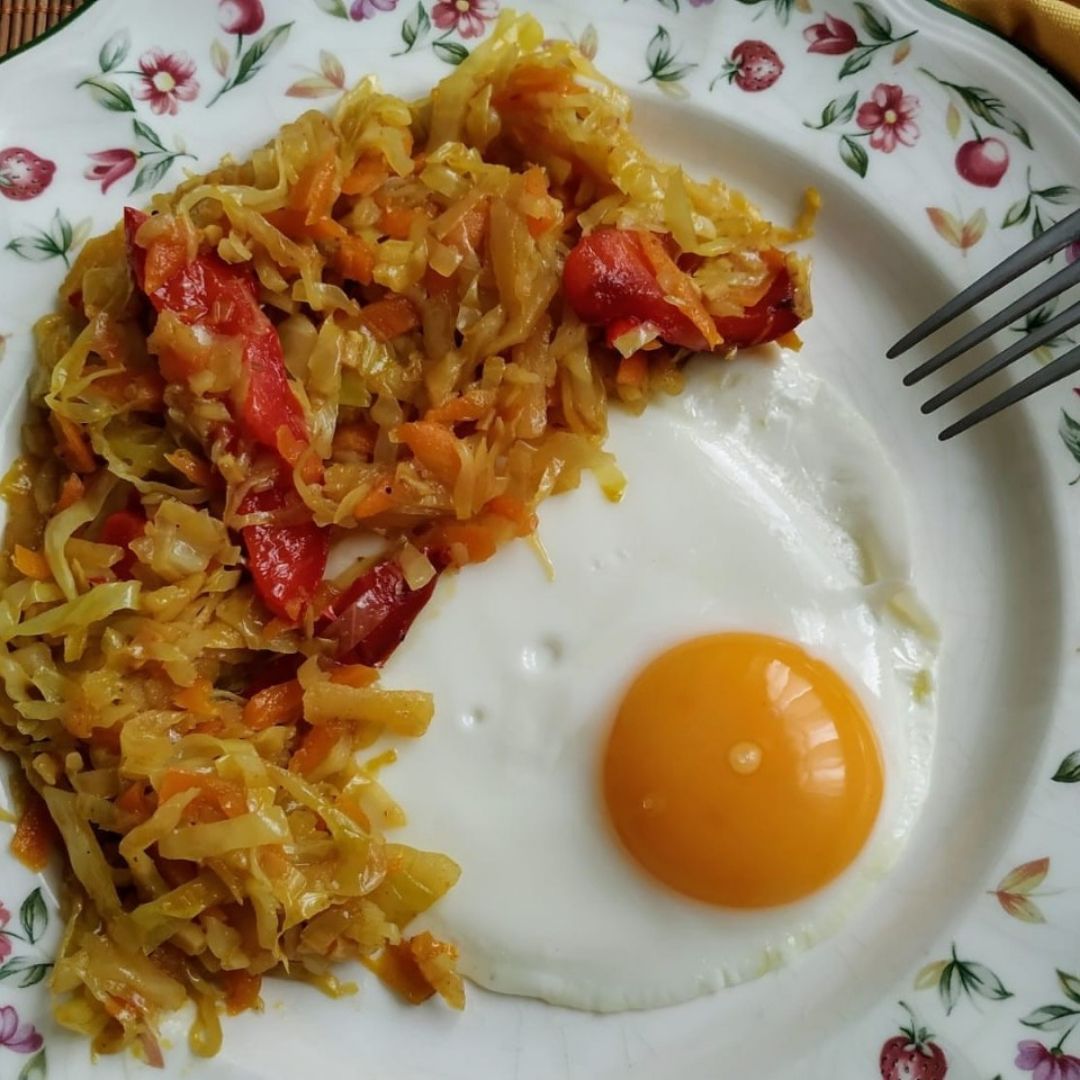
(71, 491)
(192, 467)
(132, 796)
(316, 188)
(358, 675)
(295, 225)
(396, 221)
(633, 370)
(35, 834)
(358, 438)
(514, 511)
(295, 451)
(367, 176)
(459, 409)
(136, 800)
(196, 698)
(377, 501)
(537, 226)
(289, 446)
(280, 704)
(390, 317)
(31, 564)
(353, 260)
(679, 286)
(476, 539)
(241, 991)
(326, 228)
(71, 444)
(290, 222)
(214, 793)
(535, 182)
(316, 746)
(397, 968)
(469, 231)
(349, 807)
(434, 446)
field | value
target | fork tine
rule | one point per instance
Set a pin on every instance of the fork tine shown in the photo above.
(1064, 279)
(1057, 325)
(1054, 239)
(1060, 368)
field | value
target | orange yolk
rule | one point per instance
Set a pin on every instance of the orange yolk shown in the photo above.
(741, 771)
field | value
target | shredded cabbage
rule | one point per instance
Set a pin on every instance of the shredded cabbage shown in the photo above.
(194, 734)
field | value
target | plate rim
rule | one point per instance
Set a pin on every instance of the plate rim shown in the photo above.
(938, 4)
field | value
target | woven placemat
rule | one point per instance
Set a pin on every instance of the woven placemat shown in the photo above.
(23, 20)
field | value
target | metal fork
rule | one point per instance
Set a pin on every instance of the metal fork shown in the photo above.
(1057, 237)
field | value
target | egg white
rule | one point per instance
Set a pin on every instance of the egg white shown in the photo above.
(758, 500)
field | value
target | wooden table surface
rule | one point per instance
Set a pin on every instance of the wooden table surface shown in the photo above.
(23, 20)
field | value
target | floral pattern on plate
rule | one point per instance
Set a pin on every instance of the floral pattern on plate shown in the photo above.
(22, 965)
(880, 96)
(236, 63)
(468, 19)
(163, 79)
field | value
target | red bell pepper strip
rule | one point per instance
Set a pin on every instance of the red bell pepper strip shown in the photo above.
(609, 281)
(120, 528)
(210, 292)
(136, 255)
(371, 618)
(608, 278)
(771, 317)
(287, 562)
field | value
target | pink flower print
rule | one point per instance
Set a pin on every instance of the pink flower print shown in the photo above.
(1044, 1064)
(833, 37)
(167, 79)
(368, 9)
(110, 165)
(22, 1038)
(466, 16)
(5, 941)
(889, 117)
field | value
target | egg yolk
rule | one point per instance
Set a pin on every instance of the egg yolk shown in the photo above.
(741, 771)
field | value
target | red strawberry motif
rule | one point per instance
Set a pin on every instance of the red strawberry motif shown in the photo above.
(911, 1055)
(753, 66)
(24, 175)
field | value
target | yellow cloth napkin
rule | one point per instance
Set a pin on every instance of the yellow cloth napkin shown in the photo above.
(1049, 29)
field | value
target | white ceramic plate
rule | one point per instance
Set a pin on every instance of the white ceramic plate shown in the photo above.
(937, 148)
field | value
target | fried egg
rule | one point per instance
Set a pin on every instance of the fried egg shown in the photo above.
(693, 752)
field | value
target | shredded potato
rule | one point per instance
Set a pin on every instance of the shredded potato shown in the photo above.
(366, 327)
